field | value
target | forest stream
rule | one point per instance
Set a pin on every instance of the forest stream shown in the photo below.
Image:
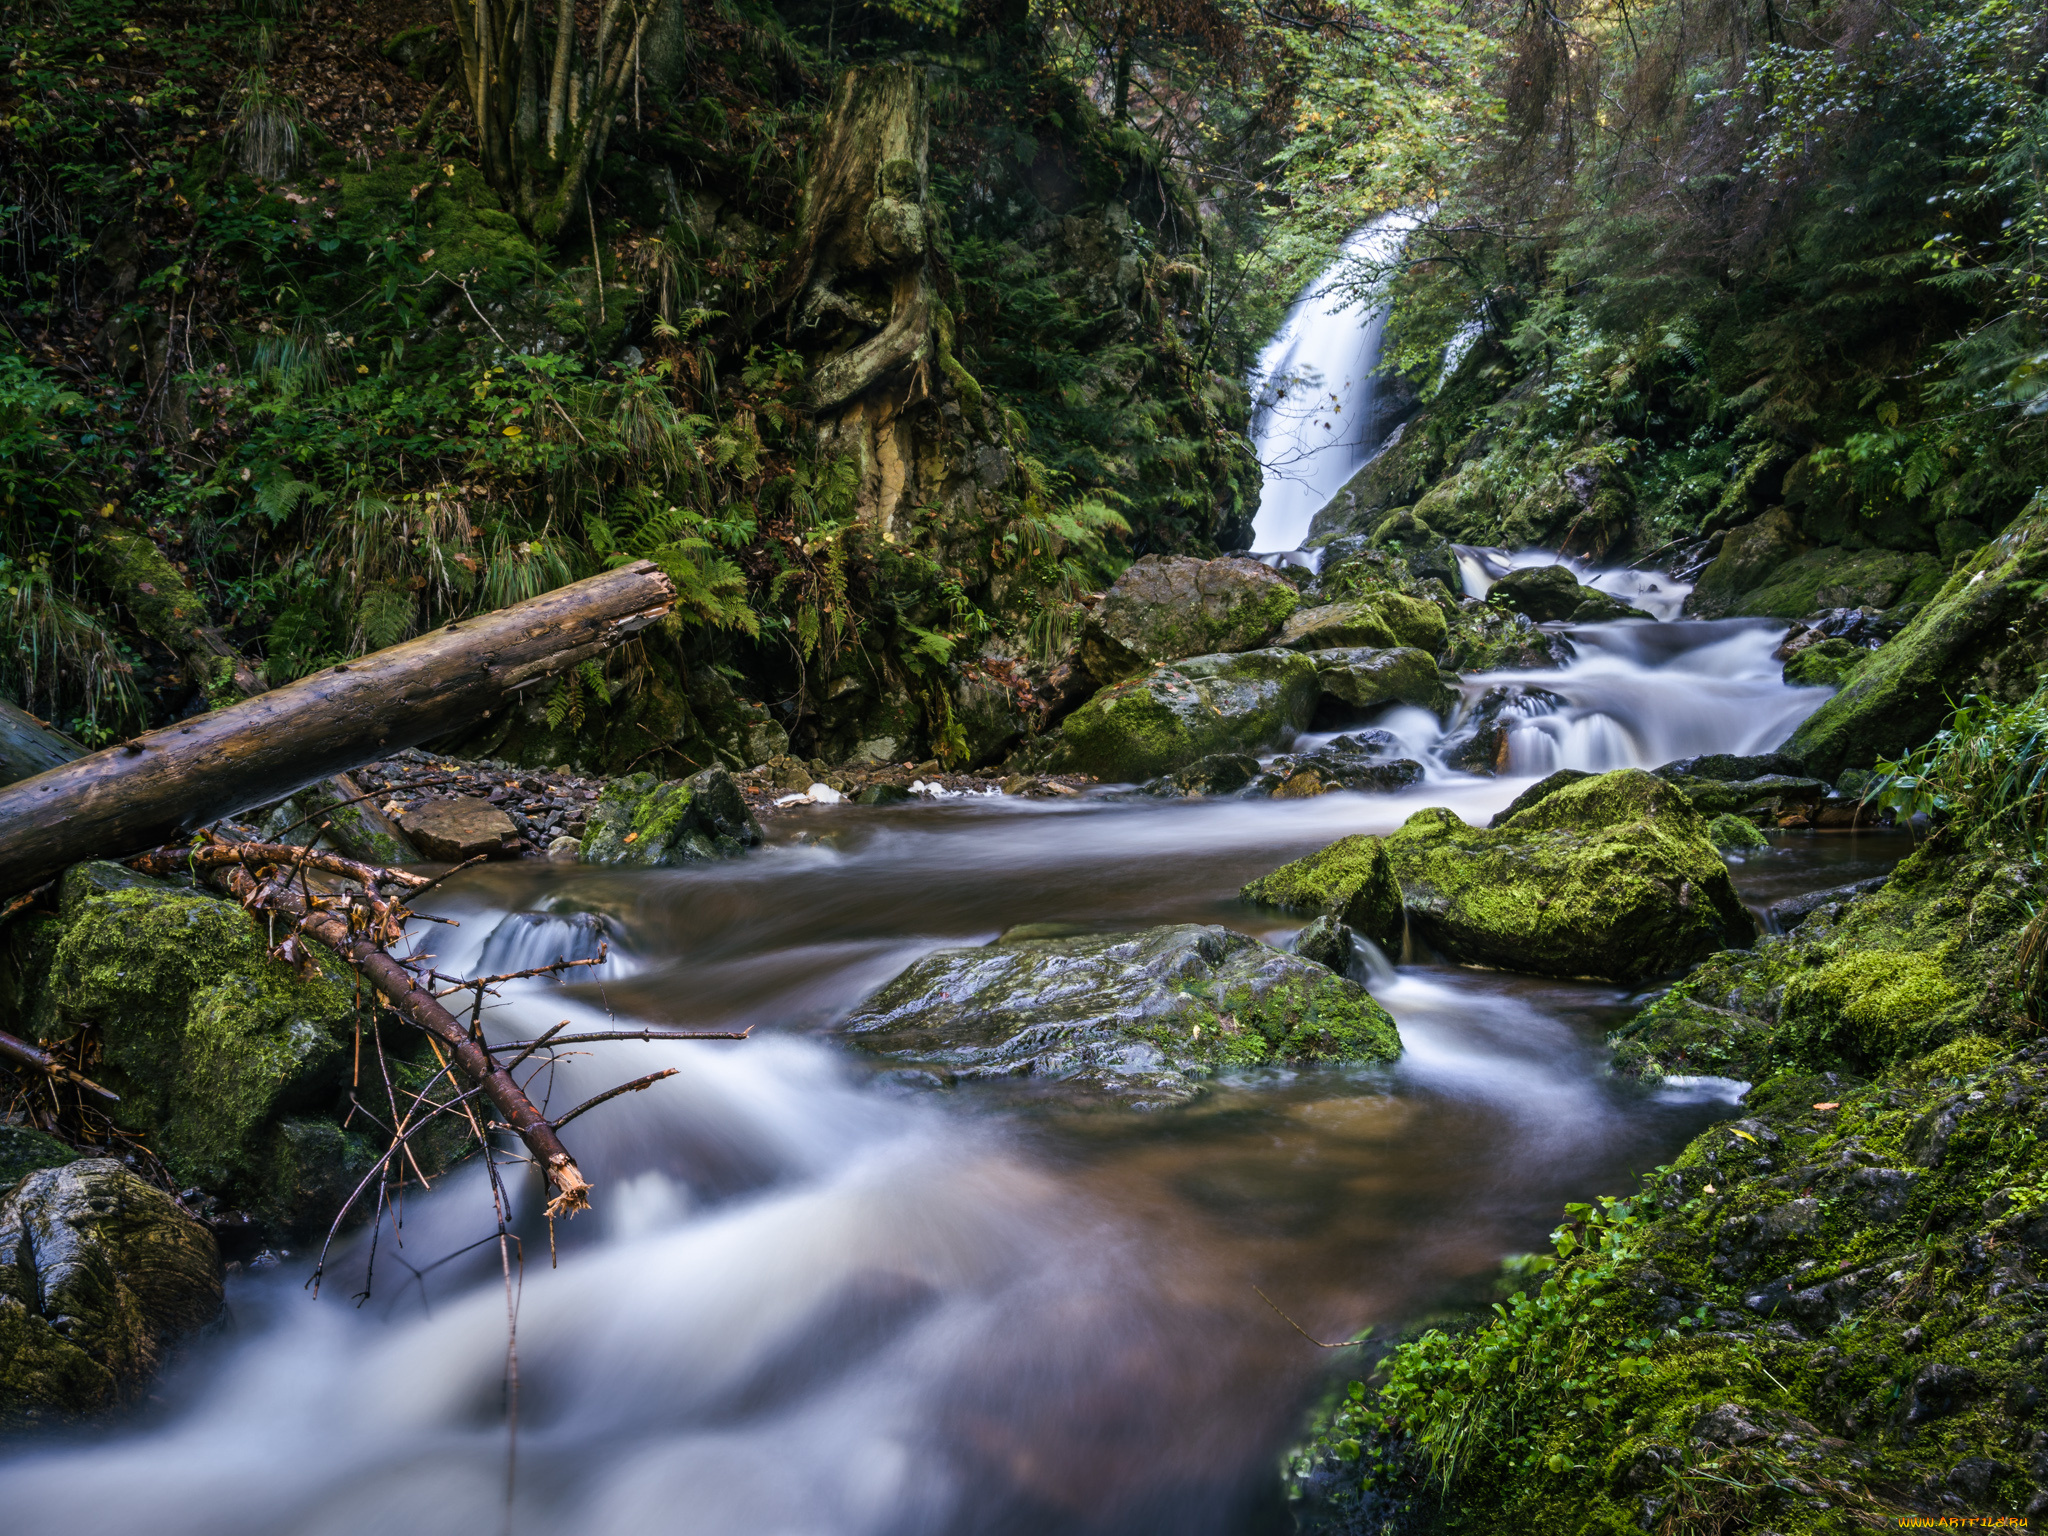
(811, 1299)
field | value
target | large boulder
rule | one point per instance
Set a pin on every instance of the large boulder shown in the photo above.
(1549, 593)
(645, 822)
(1766, 568)
(1985, 632)
(208, 1039)
(1142, 1018)
(100, 1275)
(1166, 607)
(1612, 877)
(1358, 679)
(1351, 881)
(1381, 619)
(1170, 717)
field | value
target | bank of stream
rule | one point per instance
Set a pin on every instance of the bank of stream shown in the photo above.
(811, 1299)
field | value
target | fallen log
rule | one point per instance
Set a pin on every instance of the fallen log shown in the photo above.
(29, 747)
(234, 868)
(161, 785)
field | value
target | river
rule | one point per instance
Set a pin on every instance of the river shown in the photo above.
(810, 1301)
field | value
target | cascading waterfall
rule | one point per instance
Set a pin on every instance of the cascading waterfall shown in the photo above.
(1316, 416)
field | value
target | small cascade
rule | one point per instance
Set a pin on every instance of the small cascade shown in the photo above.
(1319, 414)
(1658, 595)
(524, 941)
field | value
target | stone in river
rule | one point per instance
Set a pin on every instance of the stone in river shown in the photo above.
(1386, 620)
(1142, 1018)
(100, 1274)
(1611, 877)
(1351, 881)
(1548, 593)
(1356, 679)
(650, 822)
(1176, 715)
(1166, 607)
(454, 830)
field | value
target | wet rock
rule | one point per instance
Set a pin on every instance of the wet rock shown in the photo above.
(458, 829)
(1767, 567)
(647, 822)
(1166, 607)
(1541, 790)
(1143, 1018)
(1551, 593)
(1173, 716)
(1774, 794)
(23, 1150)
(204, 1035)
(1980, 633)
(1327, 942)
(100, 1276)
(1826, 664)
(1728, 832)
(1384, 620)
(1479, 742)
(1726, 767)
(1609, 877)
(1784, 916)
(1937, 1390)
(1351, 881)
(1222, 773)
(1358, 679)
(1339, 764)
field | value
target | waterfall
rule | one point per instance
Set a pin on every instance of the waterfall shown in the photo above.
(1317, 414)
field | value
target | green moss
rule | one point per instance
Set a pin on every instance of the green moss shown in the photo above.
(1172, 716)
(1611, 876)
(1730, 831)
(23, 1150)
(1874, 1005)
(1326, 1019)
(1351, 880)
(963, 382)
(202, 1033)
(1827, 664)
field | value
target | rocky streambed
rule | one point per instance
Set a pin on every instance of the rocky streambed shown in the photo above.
(1069, 1108)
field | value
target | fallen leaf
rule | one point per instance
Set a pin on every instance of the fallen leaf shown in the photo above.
(1711, 1190)
(1827, 1106)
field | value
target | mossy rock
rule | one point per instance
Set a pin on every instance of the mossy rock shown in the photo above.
(1611, 877)
(100, 1275)
(205, 1036)
(1166, 607)
(1383, 620)
(1352, 881)
(1728, 832)
(1719, 797)
(1824, 664)
(644, 822)
(1143, 1019)
(1835, 1292)
(1173, 716)
(1927, 958)
(1980, 634)
(1765, 569)
(1356, 681)
(1549, 593)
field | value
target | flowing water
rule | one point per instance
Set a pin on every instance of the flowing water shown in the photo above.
(807, 1302)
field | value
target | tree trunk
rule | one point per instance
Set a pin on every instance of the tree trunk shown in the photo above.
(864, 290)
(29, 747)
(159, 786)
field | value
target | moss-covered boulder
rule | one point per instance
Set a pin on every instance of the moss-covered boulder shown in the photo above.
(1170, 717)
(1772, 793)
(1383, 620)
(1982, 633)
(1143, 1018)
(1611, 876)
(1352, 881)
(204, 1035)
(100, 1275)
(645, 822)
(1928, 958)
(1355, 680)
(1731, 833)
(1766, 568)
(1823, 1317)
(1550, 593)
(1165, 607)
